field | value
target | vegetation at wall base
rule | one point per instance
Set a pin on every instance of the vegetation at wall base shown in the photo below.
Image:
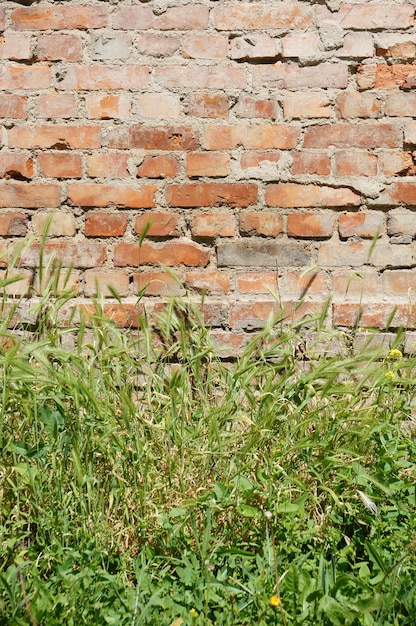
(146, 481)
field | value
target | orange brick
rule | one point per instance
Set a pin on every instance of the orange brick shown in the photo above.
(257, 282)
(160, 105)
(59, 17)
(353, 136)
(261, 223)
(56, 136)
(96, 195)
(157, 284)
(170, 253)
(308, 162)
(210, 282)
(252, 315)
(29, 195)
(399, 48)
(12, 106)
(158, 45)
(211, 164)
(78, 254)
(93, 77)
(109, 106)
(265, 16)
(310, 225)
(25, 77)
(157, 224)
(355, 104)
(301, 104)
(370, 315)
(154, 138)
(294, 195)
(393, 76)
(52, 105)
(213, 225)
(201, 77)
(15, 47)
(208, 105)
(249, 107)
(205, 47)
(212, 194)
(59, 47)
(15, 165)
(402, 192)
(192, 17)
(366, 225)
(105, 224)
(255, 137)
(256, 159)
(106, 283)
(13, 224)
(108, 165)
(60, 164)
(159, 166)
(124, 315)
(354, 163)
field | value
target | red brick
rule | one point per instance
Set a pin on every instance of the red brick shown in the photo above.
(393, 76)
(301, 104)
(256, 159)
(12, 106)
(78, 254)
(298, 284)
(59, 47)
(13, 224)
(201, 77)
(310, 225)
(53, 105)
(173, 18)
(370, 16)
(402, 192)
(170, 253)
(210, 282)
(254, 48)
(159, 166)
(62, 136)
(59, 17)
(106, 283)
(352, 163)
(253, 314)
(308, 162)
(160, 105)
(213, 225)
(205, 47)
(291, 76)
(60, 164)
(294, 195)
(257, 282)
(243, 16)
(399, 283)
(249, 107)
(15, 77)
(29, 195)
(262, 223)
(158, 45)
(157, 284)
(358, 286)
(87, 77)
(373, 315)
(207, 164)
(105, 224)
(157, 224)
(154, 138)
(15, 47)
(15, 165)
(228, 344)
(125, 315)
(212, 194)
(97, 195)
(366, 225)
(214, 105)
(254, 137)
(108, 106)
(108, 165)
(361, 135)
(354, 104)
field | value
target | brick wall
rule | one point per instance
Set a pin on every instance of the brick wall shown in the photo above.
(257, 139)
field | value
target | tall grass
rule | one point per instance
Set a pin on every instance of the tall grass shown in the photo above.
(146, 481)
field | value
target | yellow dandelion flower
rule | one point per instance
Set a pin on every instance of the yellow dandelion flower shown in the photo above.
(194, 612)
(395, 354)
(275, 601)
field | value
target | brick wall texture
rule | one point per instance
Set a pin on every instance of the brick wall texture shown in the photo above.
(263, 145)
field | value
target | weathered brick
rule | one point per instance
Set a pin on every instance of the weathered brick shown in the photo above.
(29, 195)
(13, 224)
(201, 77)
(14, 107)
(60, 164)
(356, 45)
(254, 48)
(210, 282)
(213, 225)
(106, 283)
(157, 284)
(337, 254)
(125, 315)
(402, 192)
(55, 136)
(298, 44)
(109, 48)
(354, 104)
(399, 283)
(96, 195)
(77, 254)
(256, 159)
(370, 16)
(353, 285)
(108, 106)
(93, 77)
(57, 224)
(257, 282)
(55, 105)
(157, 45)
(401, 104)
(169, 253)
(20, 286)
(355, 163)
(60, 47)
(396, 162)
(154, 138)
(160, 105)
(403, 223)
(262, 223)
(227, 343)
(250, 253)
(157, 224)
(366, 225)
(2, 18)
(310, 225)
(211, 105)
(291, 76)
(242, 16)
(15, 77)
(16, 165)
(298, 284)
(59, 17)
(361, 135)
(105, 224)
(108, 165)
(174, 18)
(393, 76)
(205, 47)
(370, 315)
(159, 166)
(254, 137)
(410, 132)
(249, 107)
(310, 162)
(207, 164)
(15, 47)
(301, 104)
(294, 195)
(212, 194)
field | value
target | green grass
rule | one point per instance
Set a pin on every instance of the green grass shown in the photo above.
(145, 481)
